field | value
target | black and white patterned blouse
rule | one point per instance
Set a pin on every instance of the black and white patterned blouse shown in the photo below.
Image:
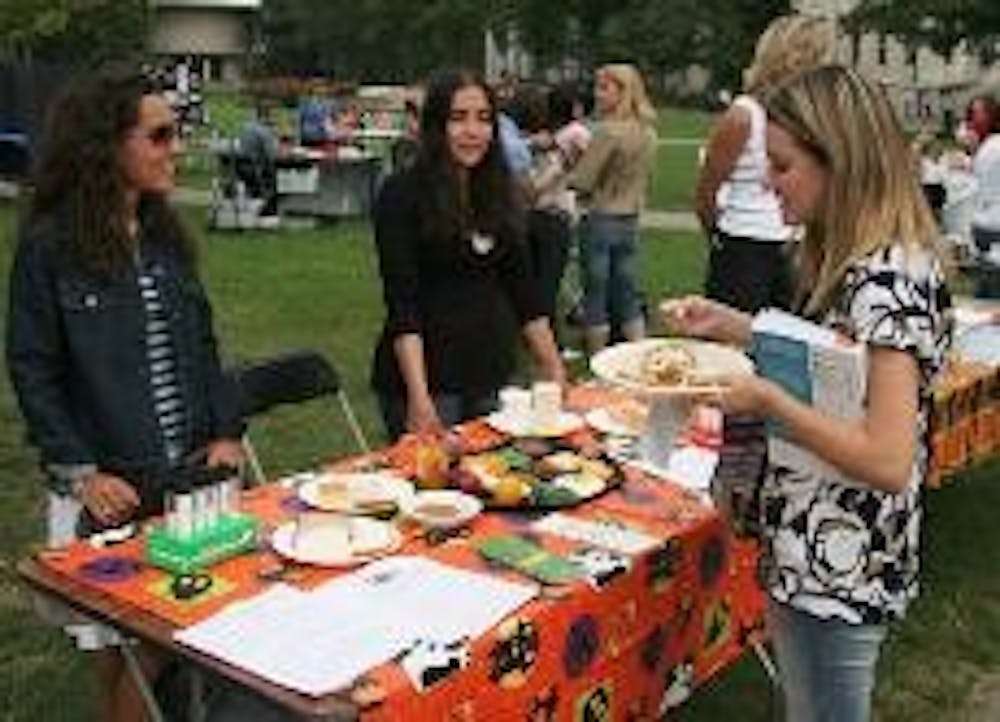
(852, 552)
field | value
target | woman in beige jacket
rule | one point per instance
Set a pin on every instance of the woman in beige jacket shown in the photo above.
(611, 178)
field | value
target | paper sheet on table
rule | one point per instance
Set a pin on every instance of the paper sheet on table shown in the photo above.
(320, 641)
(608, 535)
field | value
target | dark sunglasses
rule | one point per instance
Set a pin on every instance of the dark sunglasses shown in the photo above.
(160, 135)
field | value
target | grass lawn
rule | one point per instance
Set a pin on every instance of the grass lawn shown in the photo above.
(319, 289)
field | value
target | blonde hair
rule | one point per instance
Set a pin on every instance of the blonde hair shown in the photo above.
(634, 103)
(789, 45)
(873, 198)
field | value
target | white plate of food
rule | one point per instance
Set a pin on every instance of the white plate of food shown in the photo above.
(442, 508)
(355, 493)
(334, 541)
(564, 423)
(670, 366)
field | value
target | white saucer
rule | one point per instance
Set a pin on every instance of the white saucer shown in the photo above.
(465, 508)
(359, 491)
(565, 423)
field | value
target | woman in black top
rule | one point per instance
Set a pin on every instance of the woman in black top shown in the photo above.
(455, 270)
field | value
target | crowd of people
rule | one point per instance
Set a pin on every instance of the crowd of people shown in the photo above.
(803, 200)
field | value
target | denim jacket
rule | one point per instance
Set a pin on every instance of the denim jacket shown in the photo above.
(76, 351)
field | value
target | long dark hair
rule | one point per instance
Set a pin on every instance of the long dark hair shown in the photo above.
(492, 205)
(79, 173)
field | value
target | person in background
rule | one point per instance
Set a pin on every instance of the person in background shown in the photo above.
(748, 264)
(841, 559)
(110, 344)
(256, 162)
(455, 270)
(559, 142)
(314, 118)
(404, 149)
(611, 178)
(983, 120)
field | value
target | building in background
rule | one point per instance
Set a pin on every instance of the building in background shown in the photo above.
(929, 90)
(216, 35)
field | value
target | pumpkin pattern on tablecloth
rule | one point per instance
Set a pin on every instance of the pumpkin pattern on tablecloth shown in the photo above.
(514, 653)
(718, 625)
(663, 564)
(581, 646)
(544, 705)
(596, 705)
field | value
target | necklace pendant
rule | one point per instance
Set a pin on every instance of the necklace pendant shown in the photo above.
(481, 243)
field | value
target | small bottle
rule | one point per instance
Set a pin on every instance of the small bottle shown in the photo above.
(184, 513)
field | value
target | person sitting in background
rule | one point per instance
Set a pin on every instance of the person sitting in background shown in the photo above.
(110, 345)
(983, 118)
(257, 157)
(314, 115)
(841, 559)
(455, 270)
(748, 264)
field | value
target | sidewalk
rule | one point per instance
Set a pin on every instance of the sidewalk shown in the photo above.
(659, 220)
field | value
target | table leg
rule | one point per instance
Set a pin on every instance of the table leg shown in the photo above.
(139, 677)
(197, 710)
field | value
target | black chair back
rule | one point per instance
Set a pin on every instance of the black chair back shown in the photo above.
(289, 378)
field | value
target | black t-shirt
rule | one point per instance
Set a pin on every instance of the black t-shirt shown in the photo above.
(466, 297)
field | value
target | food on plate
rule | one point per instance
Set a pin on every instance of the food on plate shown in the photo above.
(512, 489)
(667, 365)
(333, 494)
(432, 466)
(584, 485)
(597, 468)
(323, 537)
(437, 510)
(535, 448)
(560, 462)
(629, 413)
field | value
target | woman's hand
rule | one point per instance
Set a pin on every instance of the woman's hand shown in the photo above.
(747, 394)
(422, 416)
(225, 452)
(109, 498)
(704, 318)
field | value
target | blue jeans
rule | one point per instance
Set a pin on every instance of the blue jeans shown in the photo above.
(609, 273)
(452, 408)
(827, 666)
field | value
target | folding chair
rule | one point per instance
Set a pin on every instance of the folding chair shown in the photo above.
(289, 378)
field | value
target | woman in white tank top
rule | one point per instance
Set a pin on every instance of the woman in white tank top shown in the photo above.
(748, 263)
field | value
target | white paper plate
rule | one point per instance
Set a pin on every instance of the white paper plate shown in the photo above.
(621, 365)
(367, 539)
(566, 423)
(359, 491)
(421, 508)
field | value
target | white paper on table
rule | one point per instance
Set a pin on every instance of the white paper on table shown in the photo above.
(607, 535)
(320, 641)
(693, 467)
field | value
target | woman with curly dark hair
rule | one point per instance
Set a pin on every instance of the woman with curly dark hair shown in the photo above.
(455, 270)
(109, 338)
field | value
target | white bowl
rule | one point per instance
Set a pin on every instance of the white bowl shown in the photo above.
(442, 508)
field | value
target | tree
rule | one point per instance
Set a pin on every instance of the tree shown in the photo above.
(937, 24)
(72, 32)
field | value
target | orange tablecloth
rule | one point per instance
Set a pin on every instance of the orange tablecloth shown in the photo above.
(965, 423)
(624, 651)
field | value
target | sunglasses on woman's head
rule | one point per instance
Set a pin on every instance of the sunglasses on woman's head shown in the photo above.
(160, 135)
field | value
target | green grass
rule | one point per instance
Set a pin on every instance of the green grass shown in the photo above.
(319, 289)
(682, 122)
